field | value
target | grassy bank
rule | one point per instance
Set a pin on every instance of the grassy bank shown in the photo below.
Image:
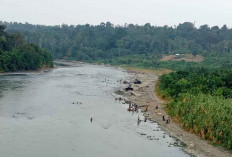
(201, 102)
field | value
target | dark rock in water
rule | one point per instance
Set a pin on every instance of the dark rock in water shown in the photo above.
(119, 92)
(137, 81)
(125, 82)
(128, 88)
(142, 134)
(30, 118)
(175, 143)
(151, 121)
(79, 102)
(22, 113)
(128, 102)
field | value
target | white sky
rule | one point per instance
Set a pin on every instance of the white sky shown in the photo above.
(156, 12)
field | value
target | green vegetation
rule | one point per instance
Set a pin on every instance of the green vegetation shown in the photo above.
(16, 55)
(130, 44)
(201, 92)
(202, 102)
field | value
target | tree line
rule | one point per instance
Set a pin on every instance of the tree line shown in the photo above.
(17, 55)
(126, 44)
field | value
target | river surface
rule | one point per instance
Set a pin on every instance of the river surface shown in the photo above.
(40, 117)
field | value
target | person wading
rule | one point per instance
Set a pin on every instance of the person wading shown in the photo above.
(138, 120)
(146, 109)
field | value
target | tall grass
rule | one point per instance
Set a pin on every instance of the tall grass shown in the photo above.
(208, 116)
(201, 102)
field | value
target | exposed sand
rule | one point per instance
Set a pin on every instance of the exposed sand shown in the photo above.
(143, 94)
(184, 57)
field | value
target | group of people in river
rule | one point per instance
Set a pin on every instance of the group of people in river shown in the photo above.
(133, 107)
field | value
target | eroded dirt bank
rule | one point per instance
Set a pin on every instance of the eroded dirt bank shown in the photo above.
(143, 94)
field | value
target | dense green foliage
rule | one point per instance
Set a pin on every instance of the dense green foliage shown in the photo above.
(128, 44)
(202, 102)
(16, 55)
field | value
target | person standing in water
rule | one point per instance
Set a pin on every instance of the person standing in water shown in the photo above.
(146, 108)
(138, 120)
(91, 119)
(145, 119)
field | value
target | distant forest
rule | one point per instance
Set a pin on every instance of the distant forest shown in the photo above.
(128, 44)
(17, 55)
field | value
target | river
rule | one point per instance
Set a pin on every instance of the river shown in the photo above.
(48, 115)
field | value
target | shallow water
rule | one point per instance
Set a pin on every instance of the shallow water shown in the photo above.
(38, 117)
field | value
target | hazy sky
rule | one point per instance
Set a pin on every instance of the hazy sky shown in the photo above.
(156, 12)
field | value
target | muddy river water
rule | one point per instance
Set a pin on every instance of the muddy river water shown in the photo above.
(48, 115)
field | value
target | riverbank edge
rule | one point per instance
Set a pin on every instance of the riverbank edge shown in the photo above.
(147, 94)
(42, 70)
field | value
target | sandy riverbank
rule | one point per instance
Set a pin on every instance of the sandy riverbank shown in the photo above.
(143, 94)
